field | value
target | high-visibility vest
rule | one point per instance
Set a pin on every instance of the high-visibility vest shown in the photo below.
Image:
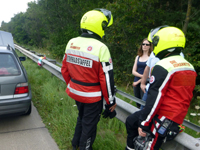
(88, 70)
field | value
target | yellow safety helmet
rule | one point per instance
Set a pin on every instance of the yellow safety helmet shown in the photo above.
(97, 20)
(166, 38)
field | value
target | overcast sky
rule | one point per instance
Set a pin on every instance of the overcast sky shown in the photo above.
(8, 8)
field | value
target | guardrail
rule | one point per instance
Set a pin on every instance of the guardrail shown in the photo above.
(182, 142)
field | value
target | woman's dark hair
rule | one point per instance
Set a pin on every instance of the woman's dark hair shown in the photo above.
(140, 51)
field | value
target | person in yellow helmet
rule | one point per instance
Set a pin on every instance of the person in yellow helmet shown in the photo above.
(171, 88)
(87, 68)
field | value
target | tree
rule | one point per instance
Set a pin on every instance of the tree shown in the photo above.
(51, 24)
(187, 16)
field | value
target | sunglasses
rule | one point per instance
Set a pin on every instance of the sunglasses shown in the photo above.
(146, 44)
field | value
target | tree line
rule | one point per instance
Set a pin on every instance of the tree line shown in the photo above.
(51, 23)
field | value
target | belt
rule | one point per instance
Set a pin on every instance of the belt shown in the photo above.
(84, 83)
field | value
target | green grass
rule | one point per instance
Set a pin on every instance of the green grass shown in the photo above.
(59, 112)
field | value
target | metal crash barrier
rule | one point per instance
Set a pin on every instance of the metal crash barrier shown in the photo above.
(182, 142)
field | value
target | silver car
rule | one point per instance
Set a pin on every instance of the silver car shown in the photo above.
(15, 92)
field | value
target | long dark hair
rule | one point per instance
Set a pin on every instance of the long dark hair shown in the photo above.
(140, 51)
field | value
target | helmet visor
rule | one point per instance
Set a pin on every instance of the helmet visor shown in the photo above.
(108, 15)
(154, 31)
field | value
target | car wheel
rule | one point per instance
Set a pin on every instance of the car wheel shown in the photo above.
(29, 110)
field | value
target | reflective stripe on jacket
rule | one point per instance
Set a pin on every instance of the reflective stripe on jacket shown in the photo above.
(88, 70)
(171, 90)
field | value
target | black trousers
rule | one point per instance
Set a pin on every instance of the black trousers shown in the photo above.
(132, 131)
(86, 126)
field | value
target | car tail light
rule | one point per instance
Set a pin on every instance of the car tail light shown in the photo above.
(21, 88)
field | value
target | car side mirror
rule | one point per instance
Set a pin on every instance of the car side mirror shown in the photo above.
(22, 58)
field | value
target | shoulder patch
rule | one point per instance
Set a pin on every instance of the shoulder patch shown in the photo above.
(110, 60)
(89, 48)
(152, 79)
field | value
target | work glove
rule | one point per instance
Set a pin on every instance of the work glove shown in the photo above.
(107, 112)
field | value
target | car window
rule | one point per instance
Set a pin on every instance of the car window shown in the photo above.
(8, 65)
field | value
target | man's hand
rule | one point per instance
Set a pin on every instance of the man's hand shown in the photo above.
(109, 111)
(143, 87)
(112, 108)
(141, 133)
(144, 78)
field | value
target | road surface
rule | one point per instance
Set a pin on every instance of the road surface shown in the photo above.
(25, 133)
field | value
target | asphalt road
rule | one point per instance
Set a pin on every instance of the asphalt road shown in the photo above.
(25, 133)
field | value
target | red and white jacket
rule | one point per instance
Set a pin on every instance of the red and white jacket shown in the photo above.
(171, 89)
(88, 70)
